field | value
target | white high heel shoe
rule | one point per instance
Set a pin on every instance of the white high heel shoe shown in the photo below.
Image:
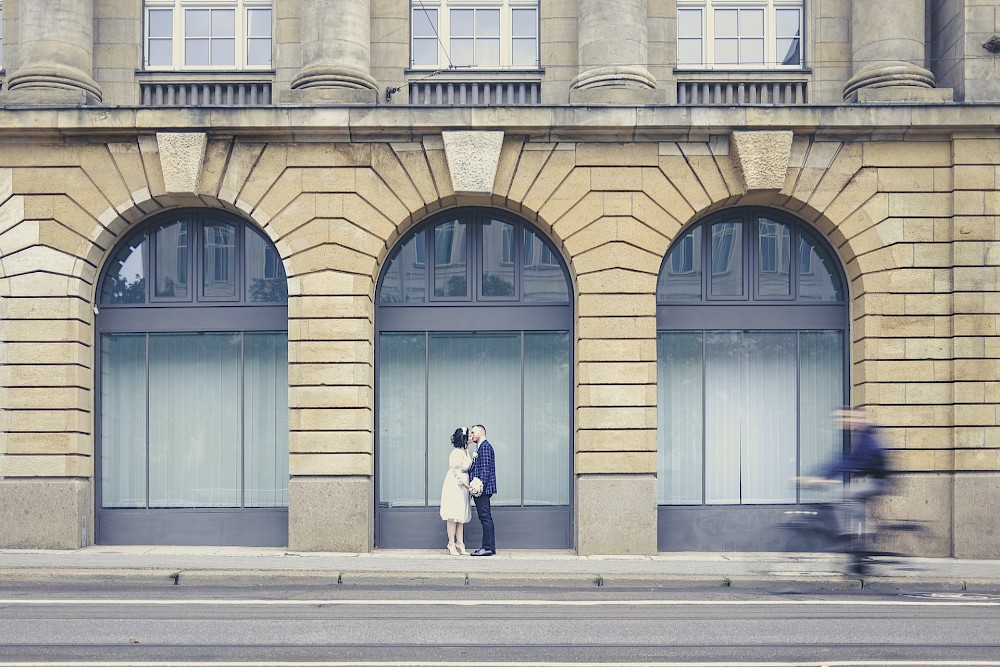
(452, 549)
(461, 549)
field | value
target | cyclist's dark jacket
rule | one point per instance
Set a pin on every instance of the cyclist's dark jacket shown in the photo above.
(866, 457)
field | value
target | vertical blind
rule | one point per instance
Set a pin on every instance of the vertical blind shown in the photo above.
(516, 384)
(194, 420)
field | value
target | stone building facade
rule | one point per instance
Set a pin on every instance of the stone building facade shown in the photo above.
(878, 146)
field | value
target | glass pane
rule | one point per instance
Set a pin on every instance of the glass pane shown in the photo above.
(774, 258)
(726, 23)
(463, 22)
(402, 421)
(689, 52)
(123, 420)
(125, 281)
(770, 432)
(259, 52)
(689, 23)
(462, 51)
(172, 255)
(425, 23)
(223, 51)
(265, 419)
(196, 23)
(727, 259)
(727, 51)
(543, 275)
(821, 391)
(405, 279)
(450, 265)
(818, 278)
(223, 23)
(786, 22)
(524, 23)
(161, 53)
(425, 52)
(196, 52)
(524, 53)
(265, 274)
(498, 259)
(259, 23)
(680, 278)
(476, 378)
(194, 420)
(788, 52)
(547, 444)
(160, 22)
(751, 52)
(751, 23)
(724, 392)
(218, 264)
(680, 404)
(487, 23)
(487, 52)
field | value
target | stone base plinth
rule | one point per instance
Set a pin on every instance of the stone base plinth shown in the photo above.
(45, 514)
(904, 94)
(320, 95)
(624, 95)
(616, 514)
(331, 514)
(925, 497)
(977, 523)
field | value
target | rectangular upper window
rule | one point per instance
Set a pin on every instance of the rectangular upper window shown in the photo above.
(474, 34)
(207, 35)
(739, 34)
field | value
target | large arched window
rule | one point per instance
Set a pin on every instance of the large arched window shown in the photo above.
(193, 385)
(473, 319)
(751, 360)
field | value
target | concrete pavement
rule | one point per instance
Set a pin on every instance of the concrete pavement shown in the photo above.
(261, 566)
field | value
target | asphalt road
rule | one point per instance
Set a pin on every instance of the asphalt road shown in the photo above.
(52, 624)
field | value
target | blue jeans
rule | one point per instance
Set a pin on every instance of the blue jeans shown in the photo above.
(486, 518)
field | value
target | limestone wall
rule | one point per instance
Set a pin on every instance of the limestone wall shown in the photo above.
(912, 220)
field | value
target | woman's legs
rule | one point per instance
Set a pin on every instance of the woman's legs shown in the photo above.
(452, 526)
(459, 537)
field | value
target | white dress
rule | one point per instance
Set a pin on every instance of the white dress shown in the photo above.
(454, 496)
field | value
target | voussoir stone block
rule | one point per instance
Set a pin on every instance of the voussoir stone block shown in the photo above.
(472, 160)
(182, 155)
(762, 158)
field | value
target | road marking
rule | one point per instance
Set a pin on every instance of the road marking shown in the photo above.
(825, 663)
(509, 603)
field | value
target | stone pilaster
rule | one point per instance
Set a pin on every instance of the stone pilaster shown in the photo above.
(56, 54)
(887, 44)
(336, 53)
(612, 44)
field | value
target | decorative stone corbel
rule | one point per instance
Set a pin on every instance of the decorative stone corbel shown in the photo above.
(762, 158)
(473, 158)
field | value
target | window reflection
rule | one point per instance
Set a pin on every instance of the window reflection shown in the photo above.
(405, 279)
(266, 281)
(219, 260)
(773, 258)
(450, 264)
(126, 278)
(727, 259)
(680, 279)
(172, 260)
(544, 279)
(498, 259)
(817, 278)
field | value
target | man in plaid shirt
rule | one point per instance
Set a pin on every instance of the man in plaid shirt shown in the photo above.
(484, 467)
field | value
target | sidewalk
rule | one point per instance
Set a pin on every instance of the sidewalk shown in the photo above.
(260, 566)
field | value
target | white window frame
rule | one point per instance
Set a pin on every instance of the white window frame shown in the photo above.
(242, 37)
(506, 8)
(771, 56)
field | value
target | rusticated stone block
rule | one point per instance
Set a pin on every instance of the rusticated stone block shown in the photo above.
(762, 158)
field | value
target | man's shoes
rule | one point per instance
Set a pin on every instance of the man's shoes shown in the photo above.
(483, 552)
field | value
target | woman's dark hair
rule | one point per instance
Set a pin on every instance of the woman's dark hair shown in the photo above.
(459, 437)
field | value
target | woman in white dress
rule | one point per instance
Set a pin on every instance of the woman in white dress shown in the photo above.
(455, 508)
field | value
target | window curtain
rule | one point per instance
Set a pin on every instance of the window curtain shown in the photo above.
(762, 401)
(512, 383)
(194, 420)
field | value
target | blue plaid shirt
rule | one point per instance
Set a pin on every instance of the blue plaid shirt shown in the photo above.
(484, 467)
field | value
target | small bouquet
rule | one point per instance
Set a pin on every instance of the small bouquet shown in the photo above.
(476, 487)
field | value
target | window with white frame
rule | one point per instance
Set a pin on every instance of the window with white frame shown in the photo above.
(739, 34)
(483, 34)
(207, 34)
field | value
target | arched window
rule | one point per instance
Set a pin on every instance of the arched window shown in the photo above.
(751, 360)
(473, 326)
(193, 385)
